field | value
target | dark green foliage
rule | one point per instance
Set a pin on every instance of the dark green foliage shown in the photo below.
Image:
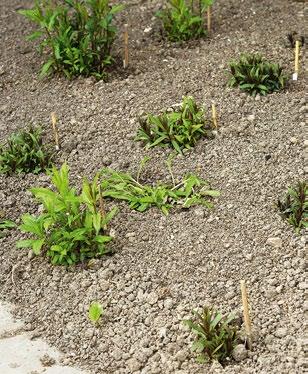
(71, 228)
(216, 336)
(25, 152)
(77, 34)
(178, 129)
(183, 20)
(252, 73)
(190, 191)
(294, 207)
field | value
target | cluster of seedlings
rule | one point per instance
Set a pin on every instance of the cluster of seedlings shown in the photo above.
(72, 228)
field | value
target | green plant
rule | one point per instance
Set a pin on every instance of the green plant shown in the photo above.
(95, 312)
(190, 191)
(178, 129)
(71, 227)
(25, 152)
(252, 73)
(183, 20)
(294, 207)
(216, 336)
(77, 34)
(6, 225)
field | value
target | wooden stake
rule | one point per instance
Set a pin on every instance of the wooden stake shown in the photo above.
(209, 19)
(55, 129)
(125, 35)
(246, 314)
(296, 63)
(214, 115)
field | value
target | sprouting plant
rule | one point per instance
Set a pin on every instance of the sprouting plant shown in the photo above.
(71, 226)
(188, 192)
(216, 336)
(95, 312)
(178, 129)
(252, 73)
(25, 152)
(184, 19)
(77, 35)
(6, 225)
(294, 207)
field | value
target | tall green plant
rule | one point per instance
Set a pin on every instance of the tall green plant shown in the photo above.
(77, 34)
(71, 227)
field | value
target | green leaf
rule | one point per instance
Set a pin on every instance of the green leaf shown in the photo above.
(95, 312)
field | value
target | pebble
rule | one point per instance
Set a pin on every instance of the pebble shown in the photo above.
(239, 353)
(281, 332)
(133, 365)
(274, 242)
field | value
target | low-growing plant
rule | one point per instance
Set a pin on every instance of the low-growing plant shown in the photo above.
(294, 206)
(183, 20)
(216, 336)
(179, 129)
(6, 225)
(71, 227)
(188, 192)
(25, 152)
(95, 312)
(77, 35)
(254, 74)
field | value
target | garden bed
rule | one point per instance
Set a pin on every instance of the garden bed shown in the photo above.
(164, 266)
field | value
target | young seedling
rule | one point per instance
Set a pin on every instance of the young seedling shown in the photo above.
(6, 225)
(95, 312)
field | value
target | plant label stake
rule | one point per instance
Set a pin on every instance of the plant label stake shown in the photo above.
(246, 314)
(55, 129)
(125, 35)
(296, 64)
(214, 115)
(209, 19)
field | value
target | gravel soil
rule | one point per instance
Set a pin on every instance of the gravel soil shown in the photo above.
(163, 267)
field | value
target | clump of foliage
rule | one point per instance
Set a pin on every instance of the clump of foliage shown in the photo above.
(294, 207)
(6, 225)
(188, 192)
(252, 73)
(95, 312)
(184, 20)
(77, 35)
(216, 336)
(178, 129)
(25, 152)
(71, 227)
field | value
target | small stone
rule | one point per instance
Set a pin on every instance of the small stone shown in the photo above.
(274, 242)
(147, 30)
(239, 353)
(216, 367)
(152, 298)
(251, 117)
(199, 212)
(46, 360)
(133, 365)
(302, 285)
(281, 332)
(181, 355)
(168, 303)
(293, 140)
(258, 97)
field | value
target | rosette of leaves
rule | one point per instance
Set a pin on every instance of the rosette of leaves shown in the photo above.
(294, 206)
(25, 152)
(71, 228)
(216, 336)
(253, 74)
(178, 129)
(183, 20)
(76, 34)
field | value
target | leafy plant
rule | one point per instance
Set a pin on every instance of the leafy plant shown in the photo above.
(252, 73)
(77, 34)
(294, 207)
(95, 312)
(71, 227)
(6, 225)
(183, 20)
(25, 152)
(190, 191)
(178, 129)
(216, 336)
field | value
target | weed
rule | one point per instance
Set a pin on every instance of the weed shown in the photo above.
(25, 152)
(6, 225)
(252, 73)
(294, 207)
(95, 312)
(183, 20)
(178, 129)
(190, 191)
(216, 336)
(77, 34)
(70, 229)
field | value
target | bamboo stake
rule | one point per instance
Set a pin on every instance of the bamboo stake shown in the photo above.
(296, 62)
(214, 115)
(246, 314)
(209, 19)
(55, 129)
(125, 35)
